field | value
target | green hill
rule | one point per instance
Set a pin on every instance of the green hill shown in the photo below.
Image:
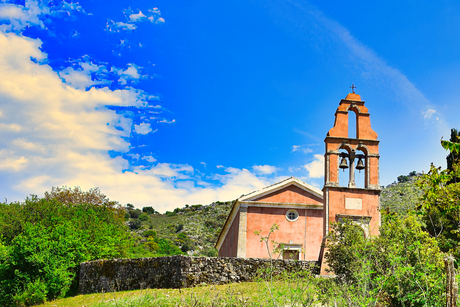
(194, 229)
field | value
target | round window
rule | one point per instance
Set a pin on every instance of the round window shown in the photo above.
(292, 215)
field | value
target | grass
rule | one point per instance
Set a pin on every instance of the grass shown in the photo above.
(291, 292)
(162, 297)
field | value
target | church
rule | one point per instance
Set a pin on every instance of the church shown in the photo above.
(304, 213)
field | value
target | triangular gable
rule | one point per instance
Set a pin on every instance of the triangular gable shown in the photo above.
(291, 190)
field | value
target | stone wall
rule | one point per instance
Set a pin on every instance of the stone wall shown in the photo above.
(176, 272)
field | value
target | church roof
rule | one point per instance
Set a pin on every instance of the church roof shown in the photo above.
(279, 185)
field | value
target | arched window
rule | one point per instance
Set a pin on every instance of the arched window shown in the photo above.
(344, 173)
(352, 125)
(360, 169)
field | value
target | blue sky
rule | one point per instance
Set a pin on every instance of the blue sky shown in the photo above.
(169, 103)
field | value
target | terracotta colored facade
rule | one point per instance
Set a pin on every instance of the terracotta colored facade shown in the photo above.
(303, 213)
(260, 210)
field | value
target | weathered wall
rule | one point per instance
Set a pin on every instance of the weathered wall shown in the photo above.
(229, 247)
(174, 272)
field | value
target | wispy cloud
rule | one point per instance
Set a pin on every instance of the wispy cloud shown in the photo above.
(133, 18)
(264, 169)
(305, 149)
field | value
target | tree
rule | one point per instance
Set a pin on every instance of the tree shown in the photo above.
(401, 267)
(148, 210)
(43, 241)
(453, 145)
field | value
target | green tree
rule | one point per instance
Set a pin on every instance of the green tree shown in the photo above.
(43, 242)
(453, 146)
(401, 267)
(148, 210)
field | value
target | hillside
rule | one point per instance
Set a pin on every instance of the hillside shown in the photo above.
(194, 229)
(401, 196)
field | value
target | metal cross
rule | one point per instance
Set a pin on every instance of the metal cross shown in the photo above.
(353, 88)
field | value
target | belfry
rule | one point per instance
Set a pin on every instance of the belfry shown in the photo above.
(355, 153)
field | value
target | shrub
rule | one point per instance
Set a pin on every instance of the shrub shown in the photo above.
(34, 294)
(149, 233)
(136, 224)
(143, 217)
(148, 210)
(402, 266)
(168, 213)
(135, 213)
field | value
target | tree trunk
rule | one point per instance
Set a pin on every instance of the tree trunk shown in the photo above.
(451, 283)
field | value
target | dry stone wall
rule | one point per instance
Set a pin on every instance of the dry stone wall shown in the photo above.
(176, 272)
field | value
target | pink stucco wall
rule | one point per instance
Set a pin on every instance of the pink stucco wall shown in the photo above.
(370, 202)
(291, 194)
(307, 232)
(230, 245)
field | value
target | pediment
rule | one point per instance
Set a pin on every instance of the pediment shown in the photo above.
(291, 190)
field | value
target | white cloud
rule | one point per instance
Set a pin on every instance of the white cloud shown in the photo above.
(164, 121)
(142, 128)
(149, 159)
(429, 113)
(22, 16)
(264, 169)
(301, 148)
(117, 26)
(159, 20)
(137, 17)
(316, 167)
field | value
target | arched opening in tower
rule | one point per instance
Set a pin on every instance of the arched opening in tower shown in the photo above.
(360, 169)
(352, 126)
(344, 173)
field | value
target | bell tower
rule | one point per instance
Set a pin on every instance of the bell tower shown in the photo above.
(354, 153)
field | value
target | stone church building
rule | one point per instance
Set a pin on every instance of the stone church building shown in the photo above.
(304, 213)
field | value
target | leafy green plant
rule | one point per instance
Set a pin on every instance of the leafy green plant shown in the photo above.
(43, 242)
(402, 267)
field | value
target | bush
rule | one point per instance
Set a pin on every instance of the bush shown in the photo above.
(143, 217)
(135, 213)
(149, 233)
(34, 294)
(402, 266)
(148, 210)
(136, 224)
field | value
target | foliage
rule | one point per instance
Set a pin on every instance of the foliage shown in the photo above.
(135, 224)
(453, 146)
(200, 225)
(143, 217)
(34, 293)
(403, 178)
(134, 214)
(402, 267)
(149, 210)
(440, 207)
(43, 241)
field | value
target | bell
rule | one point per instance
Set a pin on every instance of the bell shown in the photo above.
(343, 164)
(360, 165)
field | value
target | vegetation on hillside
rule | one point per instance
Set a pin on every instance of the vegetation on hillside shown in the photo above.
(191, 230)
